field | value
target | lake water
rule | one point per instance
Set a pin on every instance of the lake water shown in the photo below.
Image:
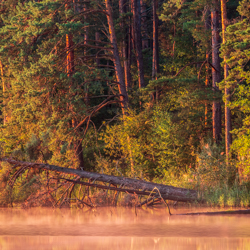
(121, 228)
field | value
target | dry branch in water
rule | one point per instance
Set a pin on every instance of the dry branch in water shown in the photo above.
(133, 186)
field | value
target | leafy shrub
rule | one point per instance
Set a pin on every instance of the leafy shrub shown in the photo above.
(147, 144)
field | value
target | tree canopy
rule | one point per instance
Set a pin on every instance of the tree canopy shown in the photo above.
(132, 87)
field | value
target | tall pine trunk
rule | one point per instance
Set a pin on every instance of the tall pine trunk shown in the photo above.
(207, 28)
(118, 71)
(145, 36)
(155, 61)
(216, 70)
(228, 123)
(125, 46)
(117, 61)
(128, 77)
(138, 40)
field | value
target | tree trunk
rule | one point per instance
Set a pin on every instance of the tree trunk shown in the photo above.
(228, 212)
(216, 71)
(138, 40)
(121, 13)
(144, 25)
(155, 61)
(86, 30)
(124, 44)
(207, 28)
(117, 62)
(228, 123)
(128, 52)
(138, 186)
(70, 55)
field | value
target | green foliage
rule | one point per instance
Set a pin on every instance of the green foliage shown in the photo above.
(237, 52)
(15, 190)
(161, 138)
(147, 144)
(5, 196)
(40, 101)
(211, 167)
(235, 196)
(217, 181)
(23, 189)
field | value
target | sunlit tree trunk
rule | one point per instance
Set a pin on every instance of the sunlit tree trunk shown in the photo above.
(124, 44)
(119, 72)
(121, 12)
(155, 60)
(117, 61)
(70, 55)
(228, 123)
(216, 71)
(137, 40)
(207, 28)
(86, 38)
(206, 84)
(128, 77)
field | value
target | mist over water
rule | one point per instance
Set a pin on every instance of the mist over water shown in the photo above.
(120, 228)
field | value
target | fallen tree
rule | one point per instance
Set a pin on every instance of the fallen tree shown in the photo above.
(128, 185)
(227, 212)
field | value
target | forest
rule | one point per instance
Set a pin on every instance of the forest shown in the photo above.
(153, 90)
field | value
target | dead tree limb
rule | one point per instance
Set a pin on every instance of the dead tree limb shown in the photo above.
(228, 212)
(132, 185)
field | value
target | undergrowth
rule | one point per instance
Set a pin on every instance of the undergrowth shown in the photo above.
(218, 183)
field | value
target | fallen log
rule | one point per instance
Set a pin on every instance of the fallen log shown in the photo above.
(134, 185)
(227, 212)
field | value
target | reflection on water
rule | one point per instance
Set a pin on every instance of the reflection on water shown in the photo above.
(120, 228)
(121, 243)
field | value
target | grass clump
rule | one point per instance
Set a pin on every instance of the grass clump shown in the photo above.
(220, 183)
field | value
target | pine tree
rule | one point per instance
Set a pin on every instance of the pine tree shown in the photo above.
(236, 50)
(49, 77)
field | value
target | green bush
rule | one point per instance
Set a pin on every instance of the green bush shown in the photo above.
(146, 145)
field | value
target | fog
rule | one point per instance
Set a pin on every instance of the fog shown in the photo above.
(121, 228)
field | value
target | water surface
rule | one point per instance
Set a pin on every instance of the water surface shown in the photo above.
(121, 228)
